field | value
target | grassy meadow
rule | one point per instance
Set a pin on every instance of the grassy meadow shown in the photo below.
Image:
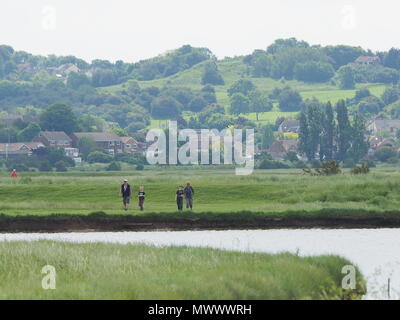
(233, 70)
(274, 192)
(113, 271)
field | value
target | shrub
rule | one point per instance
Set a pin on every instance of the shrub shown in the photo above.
(61, 166)
(385, 153)
(363, 169)
(45, 166)
(140, 167)
(99, 156)
(114, 166)
(327, 168)
(271, 164)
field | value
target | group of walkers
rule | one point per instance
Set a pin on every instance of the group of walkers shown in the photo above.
(182, 193)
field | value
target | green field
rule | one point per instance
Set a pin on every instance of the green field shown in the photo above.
(216, 191)
(111, 271)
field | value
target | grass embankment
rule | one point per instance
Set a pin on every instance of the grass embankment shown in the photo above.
(277, 192)
(112, 271)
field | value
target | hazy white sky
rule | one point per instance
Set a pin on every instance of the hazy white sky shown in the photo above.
(135, 29)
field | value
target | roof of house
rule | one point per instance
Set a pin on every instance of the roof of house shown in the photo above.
(384, 124)
(127, 139)
(55, 135)
(367, 59)
(283, 146)
(18, 146)
(289, 124)
(98, 136)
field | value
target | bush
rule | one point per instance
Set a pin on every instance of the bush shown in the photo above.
(45, 166)
(114, 166)
(385, 153)
(140, 167)
(271, 164)
(99, 156)
(363, 169)
(349, 163)
(61, 166)
(327, 168)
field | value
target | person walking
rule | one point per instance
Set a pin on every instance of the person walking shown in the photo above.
(179, 198)
(189, 194)
(141, 196)
(126, 194)
(14, 174)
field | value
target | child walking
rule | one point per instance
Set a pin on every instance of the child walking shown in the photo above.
(179, 198)
(141, 196)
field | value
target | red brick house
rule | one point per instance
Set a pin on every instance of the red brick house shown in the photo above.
(55, 139)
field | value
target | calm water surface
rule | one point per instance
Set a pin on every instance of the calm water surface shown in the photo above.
(375, 251)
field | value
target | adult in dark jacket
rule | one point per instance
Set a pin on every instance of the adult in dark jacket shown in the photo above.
(126, 194)
(189, 194)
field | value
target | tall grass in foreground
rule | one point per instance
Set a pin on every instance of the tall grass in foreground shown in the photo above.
(113, 271)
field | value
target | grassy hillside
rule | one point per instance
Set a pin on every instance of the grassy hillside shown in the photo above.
(234, 69)
(219, 191)
(112, 271)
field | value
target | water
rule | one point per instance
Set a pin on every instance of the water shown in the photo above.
(375, 251)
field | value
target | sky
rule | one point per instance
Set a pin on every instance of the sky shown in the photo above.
(132, 30)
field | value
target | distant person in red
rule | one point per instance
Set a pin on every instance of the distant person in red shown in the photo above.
(14, 174)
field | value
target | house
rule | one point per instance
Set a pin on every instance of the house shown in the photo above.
(64, 70)
(367, 60)
(109, 142)
(289, 126)
(54, 139)
(279, 148)
(130, 145)
(377, 126)
(8, 150)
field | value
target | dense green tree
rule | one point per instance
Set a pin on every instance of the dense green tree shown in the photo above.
(385, 153)
(342, 54)
(197, 104)
(359, 144)
(346, 78)
(391, 95)
(76, 80)
(328, 133)
(164, 107)
(242, 86)
(304, 137)
(29, 132)
(267, 136)
(100, 157)
(289, 100)
(239, 103)
(371, 105)
(58, 117)
(259, 102)
(211, 75)
(392, 59)
(313, 71)
(344, 131)
(87, 145)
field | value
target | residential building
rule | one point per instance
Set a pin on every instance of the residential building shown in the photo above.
(368, 60)
(280, 148)
(9, 150)
(377, 126)
(130, 145)
(289, 126)
(54, 139)
(109, 142)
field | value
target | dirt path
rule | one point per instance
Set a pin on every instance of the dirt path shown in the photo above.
(90, 224)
